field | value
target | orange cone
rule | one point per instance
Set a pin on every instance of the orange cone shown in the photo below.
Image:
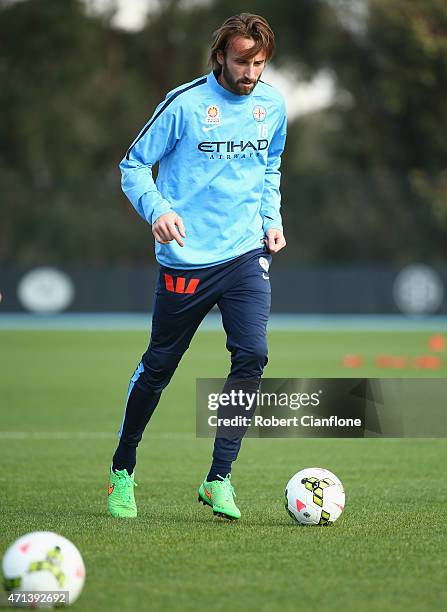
(436, 343)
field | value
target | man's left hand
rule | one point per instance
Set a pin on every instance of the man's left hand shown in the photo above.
(274, 240)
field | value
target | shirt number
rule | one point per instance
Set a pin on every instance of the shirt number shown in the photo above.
(263, 130)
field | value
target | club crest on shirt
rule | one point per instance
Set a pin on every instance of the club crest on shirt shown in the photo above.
(259, 113)
(264, 263)
(212, 115)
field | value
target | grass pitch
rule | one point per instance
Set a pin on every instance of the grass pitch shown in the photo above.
(61, 404)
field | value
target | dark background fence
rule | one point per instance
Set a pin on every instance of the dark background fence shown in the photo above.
(329, 289)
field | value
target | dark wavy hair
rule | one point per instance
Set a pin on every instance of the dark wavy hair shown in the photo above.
(248, 26)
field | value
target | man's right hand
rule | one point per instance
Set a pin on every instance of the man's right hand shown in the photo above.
(169, 227)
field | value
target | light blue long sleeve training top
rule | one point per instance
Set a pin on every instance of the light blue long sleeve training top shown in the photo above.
(219, 156)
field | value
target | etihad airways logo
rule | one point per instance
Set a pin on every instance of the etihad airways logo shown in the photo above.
(230, 146)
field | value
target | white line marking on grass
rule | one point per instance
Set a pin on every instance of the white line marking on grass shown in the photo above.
(82, 435)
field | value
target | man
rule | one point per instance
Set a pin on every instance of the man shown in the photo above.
(215, 217)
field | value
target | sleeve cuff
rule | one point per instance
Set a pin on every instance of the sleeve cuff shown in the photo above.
(161, 208)
(271, 224)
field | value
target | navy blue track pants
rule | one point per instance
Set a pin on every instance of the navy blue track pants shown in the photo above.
(241, 290)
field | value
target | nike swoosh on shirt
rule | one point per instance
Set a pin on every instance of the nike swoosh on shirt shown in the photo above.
(208, 128)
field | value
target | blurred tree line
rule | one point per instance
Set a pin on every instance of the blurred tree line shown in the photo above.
(363, 180)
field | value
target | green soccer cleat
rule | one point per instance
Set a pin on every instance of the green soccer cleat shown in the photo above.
(121, 498)
(219, 494)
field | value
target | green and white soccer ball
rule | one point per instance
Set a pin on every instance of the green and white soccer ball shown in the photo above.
(43, 561)
(314, 496)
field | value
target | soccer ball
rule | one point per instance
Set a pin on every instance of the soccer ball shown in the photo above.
(314, 496)
(44, 561)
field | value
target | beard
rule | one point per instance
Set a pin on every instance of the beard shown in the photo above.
(241, 87)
